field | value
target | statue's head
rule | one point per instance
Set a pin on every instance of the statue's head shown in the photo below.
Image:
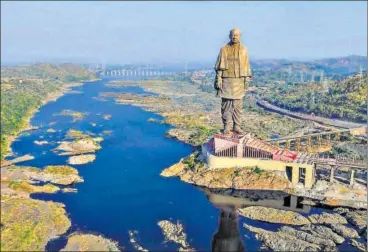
(235, 35)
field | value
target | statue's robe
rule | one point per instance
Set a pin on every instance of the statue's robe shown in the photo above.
(232, 66)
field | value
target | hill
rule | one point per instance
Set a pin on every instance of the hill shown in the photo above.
(344, 99)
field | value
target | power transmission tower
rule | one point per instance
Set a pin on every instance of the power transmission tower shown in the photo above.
(301, 77)
(360, 75)
(321, 78)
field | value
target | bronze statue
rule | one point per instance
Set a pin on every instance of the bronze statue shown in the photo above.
(233, 74)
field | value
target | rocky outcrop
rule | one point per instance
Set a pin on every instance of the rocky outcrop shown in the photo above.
(307, 237)
(175, 233)
(40, 142)
(24, 158)
(192, 170)
(61, 174)
(341, 210)
(358, 219)
(273, 215)
(78, 146)
(133, 240)
(173, 170)
(81, 159)
(358, 245)
(281, 241)
(324, 233)
(327, 218)
(28, 224)
(58, 174)
(90, 242)
(344, 231)
(69, 190)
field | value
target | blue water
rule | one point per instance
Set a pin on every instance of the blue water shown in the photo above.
(123, 189)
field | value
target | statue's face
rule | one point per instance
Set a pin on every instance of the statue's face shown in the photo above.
(235, 36)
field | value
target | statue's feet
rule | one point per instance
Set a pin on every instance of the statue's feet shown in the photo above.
(238, 131)
(227, 131)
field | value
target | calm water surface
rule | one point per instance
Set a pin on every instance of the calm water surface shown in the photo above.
(123, 189)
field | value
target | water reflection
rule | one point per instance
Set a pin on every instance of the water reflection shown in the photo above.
(266, 198)
(227, 238)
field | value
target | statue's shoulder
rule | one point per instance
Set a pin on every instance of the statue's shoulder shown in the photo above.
(244, 47)
(225, 46)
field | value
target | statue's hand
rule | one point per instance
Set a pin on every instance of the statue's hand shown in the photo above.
(246, 82)
(218, 83)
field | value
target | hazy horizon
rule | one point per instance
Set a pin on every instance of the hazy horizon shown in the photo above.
(163, 32)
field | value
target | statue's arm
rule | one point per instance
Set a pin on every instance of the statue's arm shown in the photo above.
(218, 80)
(249, 71)
(218, 69)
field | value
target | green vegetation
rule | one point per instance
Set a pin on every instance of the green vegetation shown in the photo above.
(61, 169)
(258, 170)
(24, 89)
(197, 124)
(191, 162)
(27, 224)
(344, 99)
(26, 187)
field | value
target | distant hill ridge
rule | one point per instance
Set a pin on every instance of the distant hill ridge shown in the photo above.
(63, 72)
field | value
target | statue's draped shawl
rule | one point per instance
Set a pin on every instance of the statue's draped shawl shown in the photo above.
(244, 66)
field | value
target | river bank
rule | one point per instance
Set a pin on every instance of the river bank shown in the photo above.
(26, 125)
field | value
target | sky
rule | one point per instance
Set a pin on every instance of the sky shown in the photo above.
(193, 31)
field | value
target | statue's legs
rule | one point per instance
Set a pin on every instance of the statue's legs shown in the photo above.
(227, 110)
(237, 115)
(231, 111)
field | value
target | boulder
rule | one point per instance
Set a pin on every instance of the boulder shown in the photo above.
(327, 218)
(324, 233)
(307, 237)
(281, 241)
(341, 210)
(273, 215)
(358, 219)
(344, 231)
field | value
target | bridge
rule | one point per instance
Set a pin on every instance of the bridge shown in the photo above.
(315, 142)
(136, 72)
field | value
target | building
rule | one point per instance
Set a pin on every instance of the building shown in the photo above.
(247, 151)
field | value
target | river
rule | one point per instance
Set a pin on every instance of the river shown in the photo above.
(122, 188)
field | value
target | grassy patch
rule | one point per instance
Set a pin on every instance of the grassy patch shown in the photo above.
(60, 169)
(76, 134)
(26, 187)
(258, 170)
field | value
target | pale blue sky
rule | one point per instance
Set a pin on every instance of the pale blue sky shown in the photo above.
(139, 32)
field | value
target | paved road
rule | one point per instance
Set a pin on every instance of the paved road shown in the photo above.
(322, 120)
